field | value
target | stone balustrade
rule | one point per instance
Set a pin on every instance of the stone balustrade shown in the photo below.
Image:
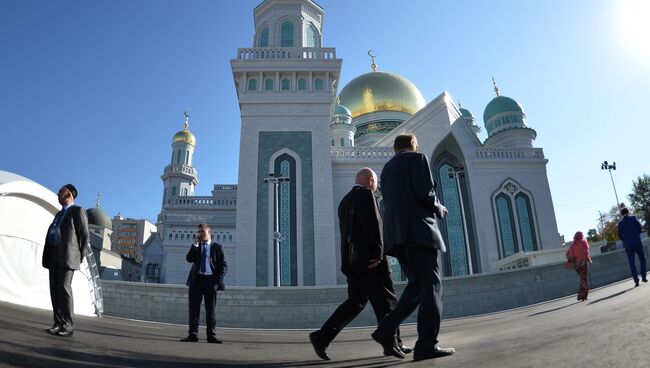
(312, 53)
(362, 152)
(509, 153)
(185, 169)
(205, 201)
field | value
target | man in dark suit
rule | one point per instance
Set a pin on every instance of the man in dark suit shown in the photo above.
(629, 231)
(205, 278)
(411, 234)
(363, 263)
(66, 244)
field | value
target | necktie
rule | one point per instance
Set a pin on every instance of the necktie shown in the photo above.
(204, 256)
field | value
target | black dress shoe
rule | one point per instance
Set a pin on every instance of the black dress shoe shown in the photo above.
(214, 340)
(436, 352)
(64, 333)
(319, 347)
(190, 338)
(405, 348)
(53, 330)
(389, 343)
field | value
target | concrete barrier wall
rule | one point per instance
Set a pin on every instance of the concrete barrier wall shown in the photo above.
(309, 307)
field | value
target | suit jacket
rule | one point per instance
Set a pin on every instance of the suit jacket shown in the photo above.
(217, 262)
(410, 203)
(629, 231)
(74, 241)
(365, 233)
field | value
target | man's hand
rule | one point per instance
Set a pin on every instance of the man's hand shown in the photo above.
(444, 211)
(373, 263)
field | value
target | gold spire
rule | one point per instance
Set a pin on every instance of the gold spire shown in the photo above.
(99, 196)
(186, 127)
(372, 57)
(496, 88)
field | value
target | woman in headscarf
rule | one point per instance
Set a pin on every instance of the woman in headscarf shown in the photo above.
(578, 254)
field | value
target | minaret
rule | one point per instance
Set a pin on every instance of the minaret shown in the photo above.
(180, 177)
(341, 127)
(286, 83)
(505, 123)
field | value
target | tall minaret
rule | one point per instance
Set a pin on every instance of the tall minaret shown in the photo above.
(180, 177)
(286, 85)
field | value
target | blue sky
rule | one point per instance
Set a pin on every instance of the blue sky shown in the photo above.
(92, 92)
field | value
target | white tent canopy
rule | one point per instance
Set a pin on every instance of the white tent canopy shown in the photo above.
(26, 211)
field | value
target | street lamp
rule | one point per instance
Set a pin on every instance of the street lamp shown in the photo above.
(457, 173)
(276, 181)
(605, 166)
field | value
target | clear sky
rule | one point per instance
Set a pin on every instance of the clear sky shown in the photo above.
(92, 92)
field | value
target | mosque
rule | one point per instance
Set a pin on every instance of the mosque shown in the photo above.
(303, 140)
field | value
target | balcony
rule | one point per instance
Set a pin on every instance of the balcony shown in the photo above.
(361, 153)
(287, 53)
(509, 154)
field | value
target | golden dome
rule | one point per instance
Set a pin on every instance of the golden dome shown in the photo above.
(185, 135)
(381, 91)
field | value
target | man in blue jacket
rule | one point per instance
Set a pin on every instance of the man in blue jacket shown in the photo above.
(629, 231)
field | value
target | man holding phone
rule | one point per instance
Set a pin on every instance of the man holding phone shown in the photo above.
(205, 278)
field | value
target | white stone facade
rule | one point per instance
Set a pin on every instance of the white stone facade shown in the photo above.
(499, 197)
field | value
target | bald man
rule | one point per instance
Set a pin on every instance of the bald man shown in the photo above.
(363, 263)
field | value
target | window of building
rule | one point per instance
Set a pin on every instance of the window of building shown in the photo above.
(342, 142)
(173, 191)
(187, 157)
(318, 84)
(178, 156)
(285, 84)
(286, 38)
(268, 84)
(332, 143)
(524, 215)
(176, 236)
(185, 192)
(456, 242)
(252, 84)
(506, 225)
(311, 37)
(264, 38)
(302, 84)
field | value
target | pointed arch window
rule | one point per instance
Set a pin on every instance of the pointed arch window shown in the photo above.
(174, 191)
(285, 84)
(184, 192)
(264, 38)
(252, 84)
(342, 142)
(456, 242)
(187, 157)
(285, 165)
(178, 156)
(515, 215)
(506, 225)
(268, 84)
(524, 215)
(311, 37)
(286, 35)
(318, 84)
(302, 84)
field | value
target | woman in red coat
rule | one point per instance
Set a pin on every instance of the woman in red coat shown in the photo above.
(578, 254)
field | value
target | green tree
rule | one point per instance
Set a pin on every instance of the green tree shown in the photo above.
(640, 199)
(592, 235)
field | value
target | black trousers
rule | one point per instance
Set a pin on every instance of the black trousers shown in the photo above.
(373, 285)
(61, 296)
(424, 289)
(204, 287)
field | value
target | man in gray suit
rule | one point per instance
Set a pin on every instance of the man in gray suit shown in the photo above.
(66, 245)
(411, 235)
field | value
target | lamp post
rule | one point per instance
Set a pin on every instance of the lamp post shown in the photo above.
(606, 166)
(276, 181)
(457, 173)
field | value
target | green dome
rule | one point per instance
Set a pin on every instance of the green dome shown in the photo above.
(465, 113)
(97, 216)
(501, 104)
(342, 110)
